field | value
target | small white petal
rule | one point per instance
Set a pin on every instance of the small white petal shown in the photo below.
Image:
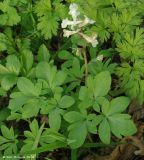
(100, 57)
(68, 33)
(91, 39)
(86, 21)
(65, 23)
(95, 43)
(74, 11)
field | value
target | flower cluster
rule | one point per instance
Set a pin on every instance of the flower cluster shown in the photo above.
(76, 24)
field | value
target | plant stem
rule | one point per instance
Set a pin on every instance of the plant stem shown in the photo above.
(85, 61)
(74, 154)
(35, 145)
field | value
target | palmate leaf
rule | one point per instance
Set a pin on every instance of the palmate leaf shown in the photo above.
(10, 72)
(48, 25)
(49, 16)
(114, 121)
(10, 16)
(31, 136)
(132, 46)
(100, 85)
(130, 79)
(80, 123)
(8, 141)
(50, 74)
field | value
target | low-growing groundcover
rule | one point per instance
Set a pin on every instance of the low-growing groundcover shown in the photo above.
(69, 70)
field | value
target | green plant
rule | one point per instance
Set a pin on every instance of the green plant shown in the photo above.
(68, 72)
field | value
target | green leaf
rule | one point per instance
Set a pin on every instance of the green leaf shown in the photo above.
(91, 127)
(55, 119)
(66, 102)
(27, 87)
(102, 84)
(27, 59)
(65, 55)
(8, 81)
(13, 64)
(75, 135)
(3, 70)
(104, 131)
(118, 105)
(121, 125)
(59, 78)
(10, 16)
(30, 109)
(48, 25)
(7, 133)
(50, 74)
(43, 54)
(73, 116)
(17, 101)
(105, 105)
(4, 113)
(34, 127)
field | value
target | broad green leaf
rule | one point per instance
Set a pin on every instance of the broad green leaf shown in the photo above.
(50, 74)
(17, 101)
(55, 119)
(13, 64)
(4, 113)
(27, 59)
(27, 87)
(73, 116)
(105, 106)
(76, 136)
(64, 55)
(121, 125)
(45, 71)
(43, 54)
(118, 105)
(66, 102)
(83, 93)
(91, 127)
(59, 78)
(30, 109)
(8, 81)
(3, 70)
(102, 83)
(104, 131)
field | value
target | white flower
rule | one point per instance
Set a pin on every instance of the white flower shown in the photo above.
(86, 21)
(68, 33)
(74, 11)
(67, 22)
(92, 39)
(100, 57)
